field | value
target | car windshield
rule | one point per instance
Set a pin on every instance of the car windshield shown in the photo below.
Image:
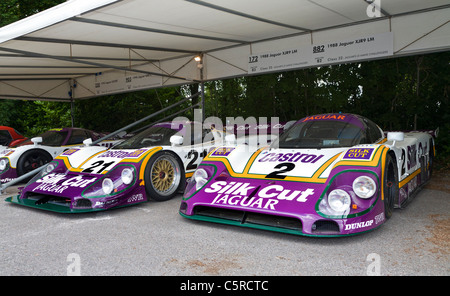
(321, 134)
(153, 136)
(49, 138)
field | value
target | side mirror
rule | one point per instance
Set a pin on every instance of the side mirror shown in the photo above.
(87, 142)
(36, 140)
(395, 136)
(176, 140)
(122, 134)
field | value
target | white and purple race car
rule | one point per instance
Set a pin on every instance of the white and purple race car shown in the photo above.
(327, 175)
(153, 164)
(28, 155)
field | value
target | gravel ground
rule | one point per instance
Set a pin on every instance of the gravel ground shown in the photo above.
(153, 239)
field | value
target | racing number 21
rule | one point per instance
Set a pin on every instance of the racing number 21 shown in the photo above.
(103, 166)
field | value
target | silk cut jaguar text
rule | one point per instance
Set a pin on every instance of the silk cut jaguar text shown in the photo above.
(57, 183)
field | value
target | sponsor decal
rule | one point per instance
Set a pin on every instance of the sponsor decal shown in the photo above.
(123, 154)
(70, 151)
(5, 180)
(412, 185)
(379, 218)
(135, 198)
(358, 225)
(412, 159)
(7, 152)
(325, 117)
(242, 194)
(222, 151)
(137, 153)
(58, 183)
(105, 203)
(291, 157)
(358, 153)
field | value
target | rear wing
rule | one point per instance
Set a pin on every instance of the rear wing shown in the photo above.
(259, 129)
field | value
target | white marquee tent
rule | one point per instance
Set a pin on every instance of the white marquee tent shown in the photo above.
(87, 48)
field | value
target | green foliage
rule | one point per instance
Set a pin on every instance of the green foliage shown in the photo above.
(14, 10)
(110, 113)
(34, 117)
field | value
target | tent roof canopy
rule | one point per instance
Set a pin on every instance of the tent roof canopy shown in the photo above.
(87, 48)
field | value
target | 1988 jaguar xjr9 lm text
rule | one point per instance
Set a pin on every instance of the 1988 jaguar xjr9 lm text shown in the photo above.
(327, 175)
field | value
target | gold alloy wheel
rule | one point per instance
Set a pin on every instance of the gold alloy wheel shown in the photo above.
(163, 175)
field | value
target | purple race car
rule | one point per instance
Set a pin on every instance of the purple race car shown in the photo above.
(327, 175)
(150, 165)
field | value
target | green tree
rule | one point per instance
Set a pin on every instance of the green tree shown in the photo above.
(14, 10)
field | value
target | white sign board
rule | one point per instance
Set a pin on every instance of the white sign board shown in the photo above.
(107, 84)
(279, 61)
(343, 51)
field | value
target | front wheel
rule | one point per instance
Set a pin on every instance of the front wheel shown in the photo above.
(31, 160)
(390, 184)
(163, 176)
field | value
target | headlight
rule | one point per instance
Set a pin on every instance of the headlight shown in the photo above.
(3, 164)
(200, 178)
(47, 169)
(50, 167)
(364, 187)
(107, 185)
(127, 176)
(339, 200)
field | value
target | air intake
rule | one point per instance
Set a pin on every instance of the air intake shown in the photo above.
(244, 217)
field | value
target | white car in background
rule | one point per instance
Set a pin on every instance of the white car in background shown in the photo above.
(18, 160)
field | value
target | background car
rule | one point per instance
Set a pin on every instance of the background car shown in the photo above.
(28, 155)
(327, 175)
(9, 137)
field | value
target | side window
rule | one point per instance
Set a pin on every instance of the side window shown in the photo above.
(77, 137)
(5, 138)
(373, 132)
(192, 136)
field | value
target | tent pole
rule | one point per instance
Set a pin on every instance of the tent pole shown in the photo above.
(143, 119)
(71, 112)
(202, 85)
(72, 89)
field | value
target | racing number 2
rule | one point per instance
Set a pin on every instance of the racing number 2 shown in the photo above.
(288, 166)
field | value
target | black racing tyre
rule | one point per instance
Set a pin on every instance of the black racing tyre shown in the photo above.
(390, 186)
(31, 160)
(164, 176)
(430, 160)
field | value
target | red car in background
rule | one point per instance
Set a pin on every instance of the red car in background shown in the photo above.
(10, 137)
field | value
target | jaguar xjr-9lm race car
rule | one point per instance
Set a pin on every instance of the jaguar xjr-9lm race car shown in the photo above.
(327, 175)
(150, 165)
